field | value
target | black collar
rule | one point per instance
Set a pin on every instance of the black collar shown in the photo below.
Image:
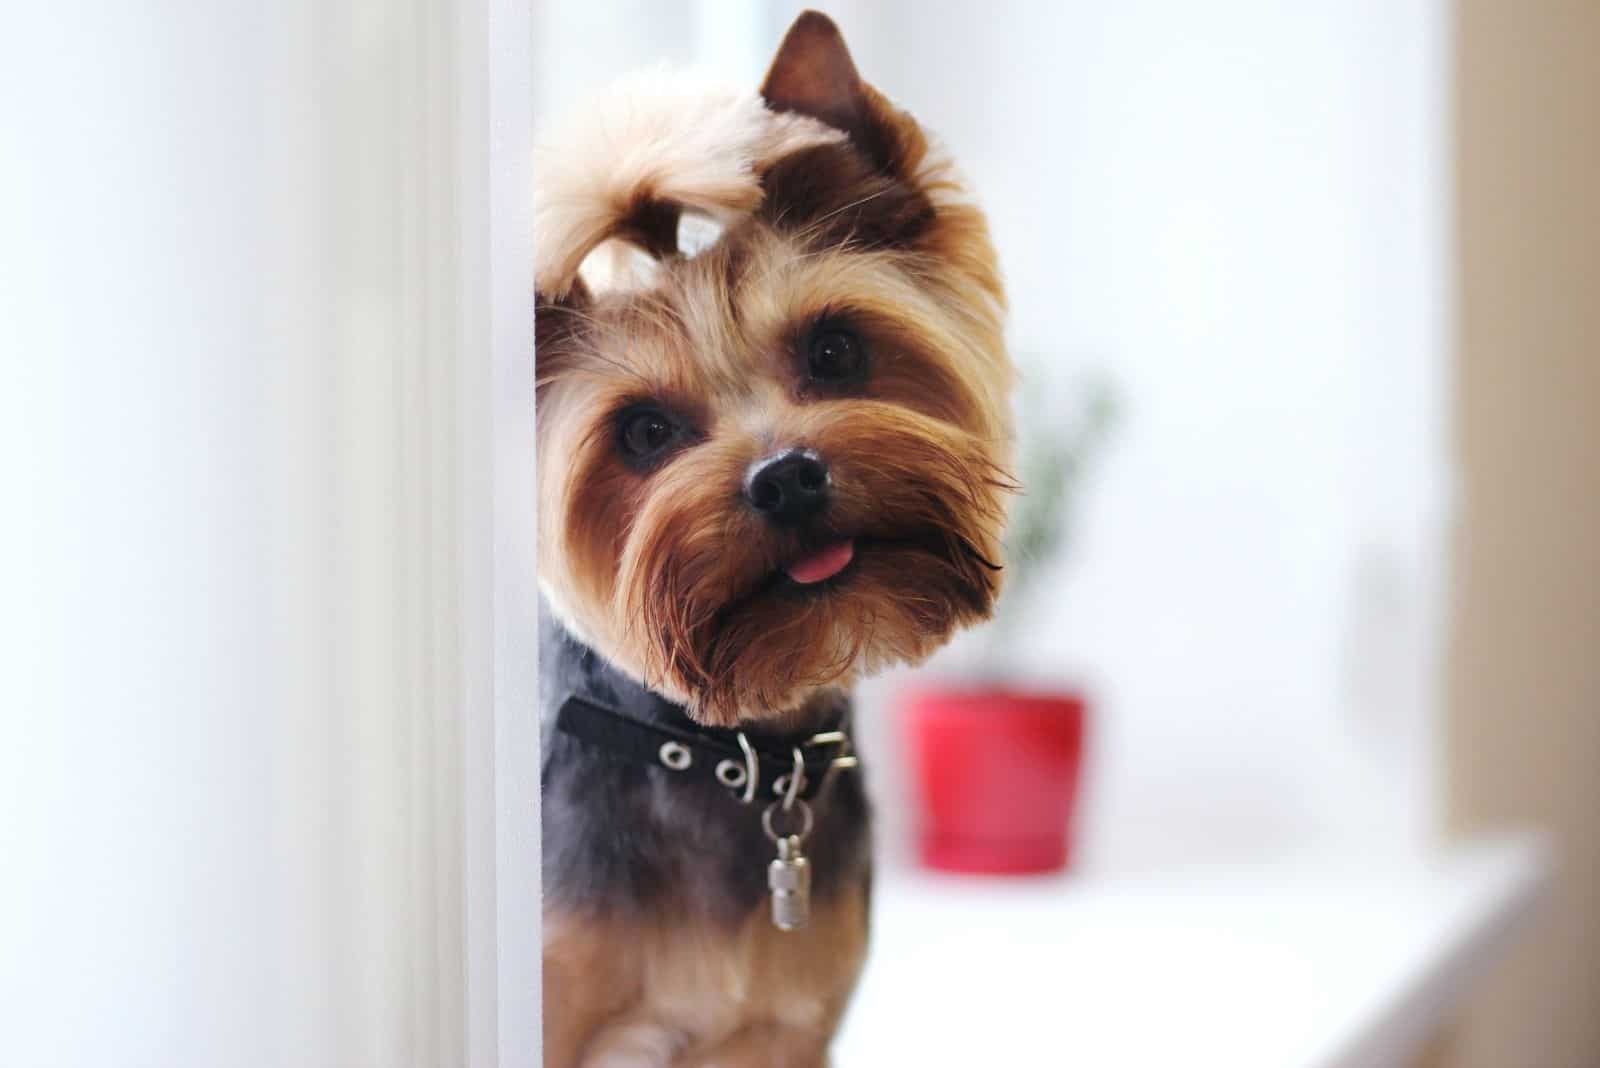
(749, 764)
(602, 707)
(696, 847)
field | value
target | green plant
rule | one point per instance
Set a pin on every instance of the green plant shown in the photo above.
(1057, 444)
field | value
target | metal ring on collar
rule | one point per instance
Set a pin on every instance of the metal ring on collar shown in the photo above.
(731, 773)
(797, 780)
(752, 770)
(805, 821)
(676, 755)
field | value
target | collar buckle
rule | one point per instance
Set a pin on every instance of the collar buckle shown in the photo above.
(845, 758)
(747, 779)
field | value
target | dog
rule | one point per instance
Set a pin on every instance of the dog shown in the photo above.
(764, 470)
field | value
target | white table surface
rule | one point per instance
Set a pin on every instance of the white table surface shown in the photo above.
(1314, 963)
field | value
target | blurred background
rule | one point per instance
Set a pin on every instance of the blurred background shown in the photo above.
(1304, 296)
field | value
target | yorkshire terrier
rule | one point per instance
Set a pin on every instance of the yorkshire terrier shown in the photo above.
(765, 469)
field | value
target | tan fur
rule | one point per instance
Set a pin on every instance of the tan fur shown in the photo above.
(660, 135)
(836, 208)
(646, 566)
(684, 992)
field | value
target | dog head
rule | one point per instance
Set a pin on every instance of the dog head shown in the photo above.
(775, 465)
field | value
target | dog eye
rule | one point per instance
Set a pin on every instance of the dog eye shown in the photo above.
(644, 432)
(835, 355)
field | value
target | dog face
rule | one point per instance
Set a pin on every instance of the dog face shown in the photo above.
(780, 463)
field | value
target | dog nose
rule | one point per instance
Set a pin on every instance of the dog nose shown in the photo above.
(788, 489)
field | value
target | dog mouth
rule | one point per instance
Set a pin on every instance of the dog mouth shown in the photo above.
(821, 564)
(822, 567)
(825, 604)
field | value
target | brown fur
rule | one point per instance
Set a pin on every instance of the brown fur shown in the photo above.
(694, 993)
(665, 568)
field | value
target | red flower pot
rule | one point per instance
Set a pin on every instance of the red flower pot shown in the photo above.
(997, 777)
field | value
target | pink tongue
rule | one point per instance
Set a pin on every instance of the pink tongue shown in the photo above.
(822, 564)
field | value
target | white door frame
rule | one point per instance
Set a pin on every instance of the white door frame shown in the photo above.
(501, 756)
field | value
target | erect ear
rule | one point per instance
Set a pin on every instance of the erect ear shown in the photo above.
(813, 75)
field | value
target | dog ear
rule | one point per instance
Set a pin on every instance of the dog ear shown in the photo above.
(864, 192)
(813, 75)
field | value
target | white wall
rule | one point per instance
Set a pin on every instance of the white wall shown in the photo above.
(244, 332)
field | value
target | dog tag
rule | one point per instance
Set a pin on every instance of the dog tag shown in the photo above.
(789, 879)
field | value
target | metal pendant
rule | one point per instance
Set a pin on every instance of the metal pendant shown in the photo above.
(789, 875)
(789, 879)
